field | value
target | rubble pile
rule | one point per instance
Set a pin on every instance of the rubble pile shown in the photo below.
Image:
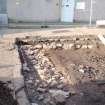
(44, 83)
(48, 86)
(87, 72)
(62, 42)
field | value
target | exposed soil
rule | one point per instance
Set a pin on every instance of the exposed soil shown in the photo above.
(56, 75)
(85, 71)
(6, 97)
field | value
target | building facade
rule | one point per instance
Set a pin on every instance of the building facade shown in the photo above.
(52, 10)
(33, 10)
(83, 15)
(3, 13)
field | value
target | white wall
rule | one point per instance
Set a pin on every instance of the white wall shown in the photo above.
(33, 10)
(3, 15)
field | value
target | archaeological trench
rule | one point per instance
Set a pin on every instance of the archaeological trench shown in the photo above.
(62, 70)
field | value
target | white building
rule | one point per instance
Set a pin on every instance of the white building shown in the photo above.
(51, 10)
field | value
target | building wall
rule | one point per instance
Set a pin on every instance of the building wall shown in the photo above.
(3, 13)
(83, 15)
(49, 10)
(33, 10)
(3, 6)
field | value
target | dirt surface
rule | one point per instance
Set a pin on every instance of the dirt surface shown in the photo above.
(85, 72)
(6, 97)
(51, 72)
(85, 68)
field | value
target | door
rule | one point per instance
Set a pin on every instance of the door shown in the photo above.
(67, 10)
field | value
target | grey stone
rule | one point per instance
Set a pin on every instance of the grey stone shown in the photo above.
(25, 67)
(47, 100)
(29, 81)
(60, 86)
(53, 83)
(41, 97)
(56, 92)
(34, 104)
(42, 90)
(60, 99)
(31, 52)
(43, 85)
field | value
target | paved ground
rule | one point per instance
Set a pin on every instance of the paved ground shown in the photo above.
(10, 33)
(7, 62)
(5, 31)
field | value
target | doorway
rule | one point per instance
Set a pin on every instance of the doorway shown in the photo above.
(67, 10)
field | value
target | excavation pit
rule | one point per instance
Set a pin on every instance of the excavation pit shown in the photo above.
(63, 70)
(6, 95)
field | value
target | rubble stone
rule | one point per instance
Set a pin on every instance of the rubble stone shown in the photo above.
(42, 90)
(55, 92)
(43, 85)
(60, 99)
(78, 46)
(90, 46)
(38, 46)
(53, 45)
(59, 45)
(60, 86)
(25, 67)
(34, 104)
(53, 83)
(66, 46)
(81, 70)
(31, 52)
(29, 81)
(84, 46)
(47, 100)
(40, 97)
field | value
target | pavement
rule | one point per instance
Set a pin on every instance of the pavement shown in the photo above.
(7, 63)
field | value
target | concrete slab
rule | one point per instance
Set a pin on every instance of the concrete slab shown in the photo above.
(10, 70)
